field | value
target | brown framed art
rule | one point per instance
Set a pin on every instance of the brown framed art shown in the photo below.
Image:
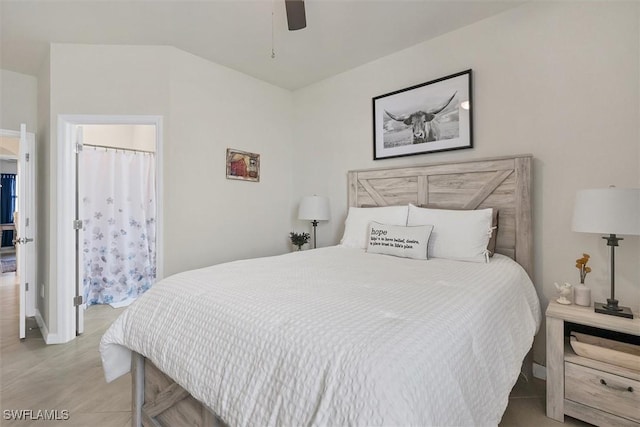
(243, 165)
(426, 118)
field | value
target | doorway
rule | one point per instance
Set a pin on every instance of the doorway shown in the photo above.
(113, 187)
(117, 207)
(8, 206)
(18, 220)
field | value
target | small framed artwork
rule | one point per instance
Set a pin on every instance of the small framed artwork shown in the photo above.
(243, 165)
(426, 118)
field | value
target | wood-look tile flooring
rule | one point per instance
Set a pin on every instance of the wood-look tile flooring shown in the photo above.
(69, 377)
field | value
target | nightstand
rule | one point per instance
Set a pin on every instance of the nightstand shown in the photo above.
(587, 389)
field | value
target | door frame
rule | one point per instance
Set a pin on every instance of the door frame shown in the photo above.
(30, 297)
(66, 178)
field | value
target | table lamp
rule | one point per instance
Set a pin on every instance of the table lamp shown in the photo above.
(314, 208)
(609, 211)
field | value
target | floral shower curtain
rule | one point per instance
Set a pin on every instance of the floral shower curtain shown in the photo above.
(118, 211)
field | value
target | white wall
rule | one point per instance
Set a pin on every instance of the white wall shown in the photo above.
(213, 219)
(132, 137)
(18, 101)
(206, 108)
(558, 80)
(43, 190)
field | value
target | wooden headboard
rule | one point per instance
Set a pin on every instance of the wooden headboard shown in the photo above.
(502, 183)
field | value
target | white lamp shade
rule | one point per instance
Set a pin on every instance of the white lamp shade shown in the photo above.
(607, 211)
(314, 208)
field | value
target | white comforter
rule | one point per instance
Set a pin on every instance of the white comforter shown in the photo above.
(337, 336)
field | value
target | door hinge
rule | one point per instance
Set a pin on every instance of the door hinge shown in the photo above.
(78, 147)
(26, 287)
(77, 224)
(77, 300)
(26, 222)
(27, 156)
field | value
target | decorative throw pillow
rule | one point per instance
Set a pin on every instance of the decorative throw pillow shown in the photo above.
(356, 227)
(399, 240)
(459, 235)
(491, 247)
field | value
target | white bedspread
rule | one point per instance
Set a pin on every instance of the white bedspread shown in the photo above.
(337, 336)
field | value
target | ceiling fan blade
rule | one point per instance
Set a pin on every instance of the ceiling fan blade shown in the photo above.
(296, 17)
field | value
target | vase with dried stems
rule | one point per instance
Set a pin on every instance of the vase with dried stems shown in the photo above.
(581, 293)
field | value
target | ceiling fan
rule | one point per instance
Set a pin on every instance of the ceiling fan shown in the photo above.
(296, 18)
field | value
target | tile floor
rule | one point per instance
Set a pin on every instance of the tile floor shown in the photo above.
(69, 377)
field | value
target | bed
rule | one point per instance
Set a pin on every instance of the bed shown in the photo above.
(339, 336)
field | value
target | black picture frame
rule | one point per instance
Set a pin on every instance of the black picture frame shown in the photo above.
(426, 118)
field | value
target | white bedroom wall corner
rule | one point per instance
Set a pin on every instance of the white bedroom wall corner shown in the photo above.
(307, 167)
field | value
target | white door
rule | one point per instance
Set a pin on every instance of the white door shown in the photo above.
(26, 222)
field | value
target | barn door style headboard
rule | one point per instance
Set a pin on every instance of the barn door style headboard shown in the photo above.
(502, 183)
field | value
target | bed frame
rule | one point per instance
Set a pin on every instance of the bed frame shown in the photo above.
(502, 183)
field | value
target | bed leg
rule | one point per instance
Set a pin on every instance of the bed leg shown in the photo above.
(137, 390)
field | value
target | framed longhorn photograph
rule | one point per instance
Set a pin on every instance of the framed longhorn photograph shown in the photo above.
(426, 118)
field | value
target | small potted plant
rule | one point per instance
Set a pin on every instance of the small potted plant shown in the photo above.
(299, 239)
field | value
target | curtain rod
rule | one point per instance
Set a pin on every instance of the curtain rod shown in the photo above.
(106, 147)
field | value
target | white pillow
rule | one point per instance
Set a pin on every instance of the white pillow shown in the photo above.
(356, 227)
(399, 240)
(459, 235)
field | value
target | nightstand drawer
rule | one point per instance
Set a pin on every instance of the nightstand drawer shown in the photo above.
(601, 390)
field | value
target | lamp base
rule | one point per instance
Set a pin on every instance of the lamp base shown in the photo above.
(613, 309)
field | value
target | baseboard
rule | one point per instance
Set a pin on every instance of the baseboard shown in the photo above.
(539, 372)
(48, 337)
